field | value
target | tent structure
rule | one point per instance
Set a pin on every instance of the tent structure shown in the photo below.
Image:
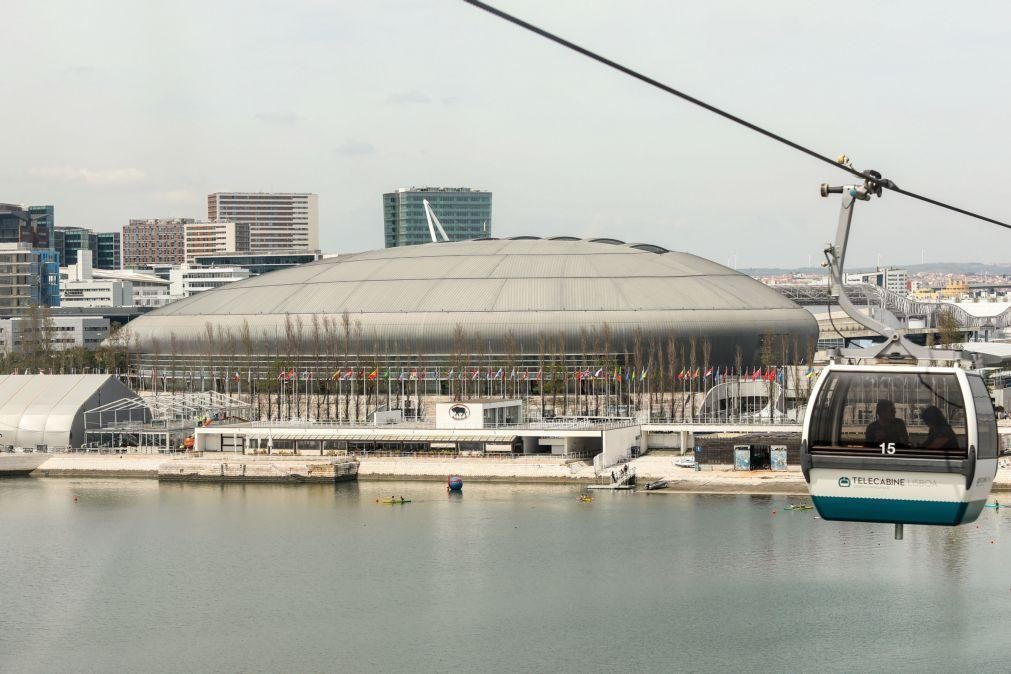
(48, 409)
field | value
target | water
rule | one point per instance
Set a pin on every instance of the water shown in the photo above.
(145, 577)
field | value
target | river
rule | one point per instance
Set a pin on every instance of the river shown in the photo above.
(137, 576)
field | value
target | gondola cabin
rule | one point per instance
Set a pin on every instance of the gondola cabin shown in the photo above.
(902, 444)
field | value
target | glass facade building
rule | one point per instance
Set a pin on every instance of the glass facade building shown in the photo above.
(43, 223)
(106, 250)
(261, 262)
(463, 212)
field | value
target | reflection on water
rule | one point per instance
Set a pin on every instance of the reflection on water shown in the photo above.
(140, 576)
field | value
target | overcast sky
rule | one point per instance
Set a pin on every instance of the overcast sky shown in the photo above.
(124, 109)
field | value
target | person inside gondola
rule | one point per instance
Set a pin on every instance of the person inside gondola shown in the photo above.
(940, 434)
(887, 428)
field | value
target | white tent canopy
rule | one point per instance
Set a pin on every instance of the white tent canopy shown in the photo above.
(48, 409)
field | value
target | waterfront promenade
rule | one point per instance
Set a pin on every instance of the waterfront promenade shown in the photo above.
(514, 470)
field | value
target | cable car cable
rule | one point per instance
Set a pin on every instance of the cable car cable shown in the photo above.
(881, 183)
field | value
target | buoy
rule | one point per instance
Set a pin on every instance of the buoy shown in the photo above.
(455, 483)
(75, 499)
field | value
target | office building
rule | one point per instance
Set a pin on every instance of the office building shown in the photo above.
(68, 240)
(22, 333)
(27, 277)
(895, 280)
(154, 241)
(106, 249)
(463, 213)
(43, 223)
(189, 279)
(79, 286)
(274, 220)
(260, 262)
(17, 225)
(208, 238)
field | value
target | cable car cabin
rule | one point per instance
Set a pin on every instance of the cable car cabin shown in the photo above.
(899, 443)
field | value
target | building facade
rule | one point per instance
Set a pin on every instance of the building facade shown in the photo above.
(208, 238)
(273, 220)
(21, 333)
(27, 277)
(43, 223)
(18, 226)
(464, 213)
(154, 241)
(107, 250)
(895, 280)
(260, 262)
(80, 288)
(189, 279)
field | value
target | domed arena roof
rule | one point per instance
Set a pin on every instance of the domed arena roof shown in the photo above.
(416, 299)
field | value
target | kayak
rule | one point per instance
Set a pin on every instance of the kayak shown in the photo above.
(992, 505)
(793, 506)
(394, 501)
(586, 499)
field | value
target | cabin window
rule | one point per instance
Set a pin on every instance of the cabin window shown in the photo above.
(907, 414)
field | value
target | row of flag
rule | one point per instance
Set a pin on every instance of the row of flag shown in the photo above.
(718, 374)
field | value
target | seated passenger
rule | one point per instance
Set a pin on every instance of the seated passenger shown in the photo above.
(940, 433)
(887, 427)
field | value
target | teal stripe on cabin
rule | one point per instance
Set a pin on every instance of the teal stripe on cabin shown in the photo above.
(946, 513)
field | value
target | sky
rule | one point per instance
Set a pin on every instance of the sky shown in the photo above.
(123, 109)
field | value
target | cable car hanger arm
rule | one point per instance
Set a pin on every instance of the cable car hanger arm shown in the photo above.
(895, 346)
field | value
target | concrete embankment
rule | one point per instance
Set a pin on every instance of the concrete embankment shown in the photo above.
(520, 469)
(530, 469)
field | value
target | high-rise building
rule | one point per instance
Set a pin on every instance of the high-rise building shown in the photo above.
(17, 225)
(106, 249)
(68, 240)
(27, 277)
(105, 246)
(154, 241)
(206, 238)
(43, 222)
(463, 213)
(275, 220)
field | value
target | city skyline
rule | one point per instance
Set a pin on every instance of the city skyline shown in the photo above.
(566, 146)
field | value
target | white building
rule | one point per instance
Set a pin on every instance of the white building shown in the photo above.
(208, 238)
(275, 220)
(64, 332)
(80, 288)
(895, 280)
(188, 279)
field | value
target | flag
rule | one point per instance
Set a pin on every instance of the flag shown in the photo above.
(616, 375)
(451, 371)
(373, 375)
(642, 376)
(236, 377)
(756, 375)
(538, 375)
(498, 375)
(709, 373)
(476, 374)
(681, 374)
(771, 374)
(512, 375)
(414, 374)
(809, 373)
